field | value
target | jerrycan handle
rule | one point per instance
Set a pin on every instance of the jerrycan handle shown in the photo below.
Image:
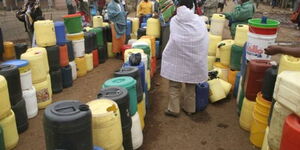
(221, 44)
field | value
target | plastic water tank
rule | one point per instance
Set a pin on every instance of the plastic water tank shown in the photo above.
(225, 51)
(135, 25)
(153, 27)
(74, 70)
(213, 44)
(142, 69)
(102, 55)
(43, 93)
(89, 61)
(255, 74)
(95, 58)
(109, 50)
(291, 133)
(66, 123)
(241, 34)
(217, 92)
(9, 127)
(246, 116)
(60, 33)
(120, 96)
(43, 51)
(269, 83)
(53, 57)
(21, 115)
(81, 66)
(9, 51)
(78, 46)
(73, 23)
(20, 48)
(97, 21)
(56, 81)
(289, 63)
(31, 102)
(136, 131)
(5, 103)
(67, 80)
(202, 94)
(107, 130)
(70, 51)
(235, 57)
(153, 44)
(40, 28)
(99, 35)
(217, 24)
(88, 41)
(129, 27)
(12, 77)
(286, 90)
(130, 84)
(134, 73)
(36, 62)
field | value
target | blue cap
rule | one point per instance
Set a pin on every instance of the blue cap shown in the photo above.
(17, 62)
(98, 148)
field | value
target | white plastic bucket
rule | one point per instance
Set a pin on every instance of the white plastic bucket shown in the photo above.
(136, 131)
(74, 70)
(26, 80)
(31, 102)
(78, 46)
(256, 44)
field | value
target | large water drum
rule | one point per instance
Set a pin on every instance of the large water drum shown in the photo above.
(73, 23)
(107, 130)
(130, 84)
(79, 48)
(53, 57)
(21, 115)
(260, 36)
(225, 51)
(136, 131)
(31, 102)
(9, 51)
(5, 103)
(25, 72)
(120, 96)
(36, 62)
(11, 136)
(44, 53)
(81, 66)
(217, 24)
(97, 21)
(40, 28)
(12, 76)
(65, 125)
(241, 35)
(289, 63)
(60, 33)
(134, 73)
(213, 44)
(153, 27)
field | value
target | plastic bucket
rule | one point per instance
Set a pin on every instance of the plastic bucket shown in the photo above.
(73, 23)
(78, 46)
(263, 31)
(256, 44)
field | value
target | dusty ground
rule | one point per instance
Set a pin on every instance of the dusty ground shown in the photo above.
(216, 128)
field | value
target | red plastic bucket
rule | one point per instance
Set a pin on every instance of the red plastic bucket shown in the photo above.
(263, 31)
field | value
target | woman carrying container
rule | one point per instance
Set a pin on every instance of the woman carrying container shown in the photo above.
(144, 8)
(184, 60)
(240, 15)
(117, 16)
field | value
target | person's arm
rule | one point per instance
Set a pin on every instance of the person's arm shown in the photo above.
(138, 11)
(273, 50)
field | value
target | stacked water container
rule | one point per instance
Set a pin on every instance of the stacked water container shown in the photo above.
(73, 24)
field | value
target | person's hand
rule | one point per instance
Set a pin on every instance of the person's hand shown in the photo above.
(273, 50)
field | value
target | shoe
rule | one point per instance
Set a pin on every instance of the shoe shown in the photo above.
(188, 113)
(170, 113)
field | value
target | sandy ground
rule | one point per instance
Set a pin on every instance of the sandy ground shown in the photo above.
(216, 128)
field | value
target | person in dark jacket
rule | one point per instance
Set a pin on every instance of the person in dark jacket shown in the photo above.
(30, 13)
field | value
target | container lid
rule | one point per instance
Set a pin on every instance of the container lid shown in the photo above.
(72, 16)
(124, 81)
(18, 63)
(59, 23)
(103, 107)
(257, 23)
(127, 71)
(114, 93)
(218, 16)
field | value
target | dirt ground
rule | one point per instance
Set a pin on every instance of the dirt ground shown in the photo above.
(216, 128)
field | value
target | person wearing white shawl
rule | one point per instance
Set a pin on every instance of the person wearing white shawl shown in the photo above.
(184, 60)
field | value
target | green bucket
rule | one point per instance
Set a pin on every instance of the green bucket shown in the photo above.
(73, 23)
(130, 84)
(99, 34)
(2, 145)
(257, 23)
(236, 56)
